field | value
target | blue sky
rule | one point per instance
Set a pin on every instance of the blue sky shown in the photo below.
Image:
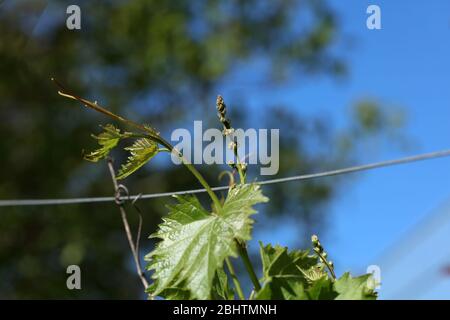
(406, 64)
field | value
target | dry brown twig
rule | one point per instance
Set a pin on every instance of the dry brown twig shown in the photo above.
(134, 246)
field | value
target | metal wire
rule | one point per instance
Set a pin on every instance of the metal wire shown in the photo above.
(42, 202)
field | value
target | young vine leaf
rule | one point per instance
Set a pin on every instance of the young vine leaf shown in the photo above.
(141, 152)
(108, 140)
(194, 243)
(282, 273)
(296, 275)
(358, 288)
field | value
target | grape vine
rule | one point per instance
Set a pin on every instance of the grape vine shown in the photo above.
(193, 258)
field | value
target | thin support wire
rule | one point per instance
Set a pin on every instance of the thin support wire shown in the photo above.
(371, 166)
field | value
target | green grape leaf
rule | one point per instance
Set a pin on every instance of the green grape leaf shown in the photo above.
(282, 288)
(221, 289)
(296, 275)
(294, 288)
(358, 288)
(171, 293)
(279, 261)
(141, 152)
(283, 273)
(321, 289)
(194, 243)
(108, 140)
(151, 129)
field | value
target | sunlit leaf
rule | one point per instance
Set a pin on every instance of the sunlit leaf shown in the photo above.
(141, 152)
(358, 288)
(194, 243)
(108, 140)
(283, 278)
(296, 275)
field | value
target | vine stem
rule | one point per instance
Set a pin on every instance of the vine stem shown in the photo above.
(248, 265)
(325, 261)
(241, 246)
(239, 165)
(195, 172)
